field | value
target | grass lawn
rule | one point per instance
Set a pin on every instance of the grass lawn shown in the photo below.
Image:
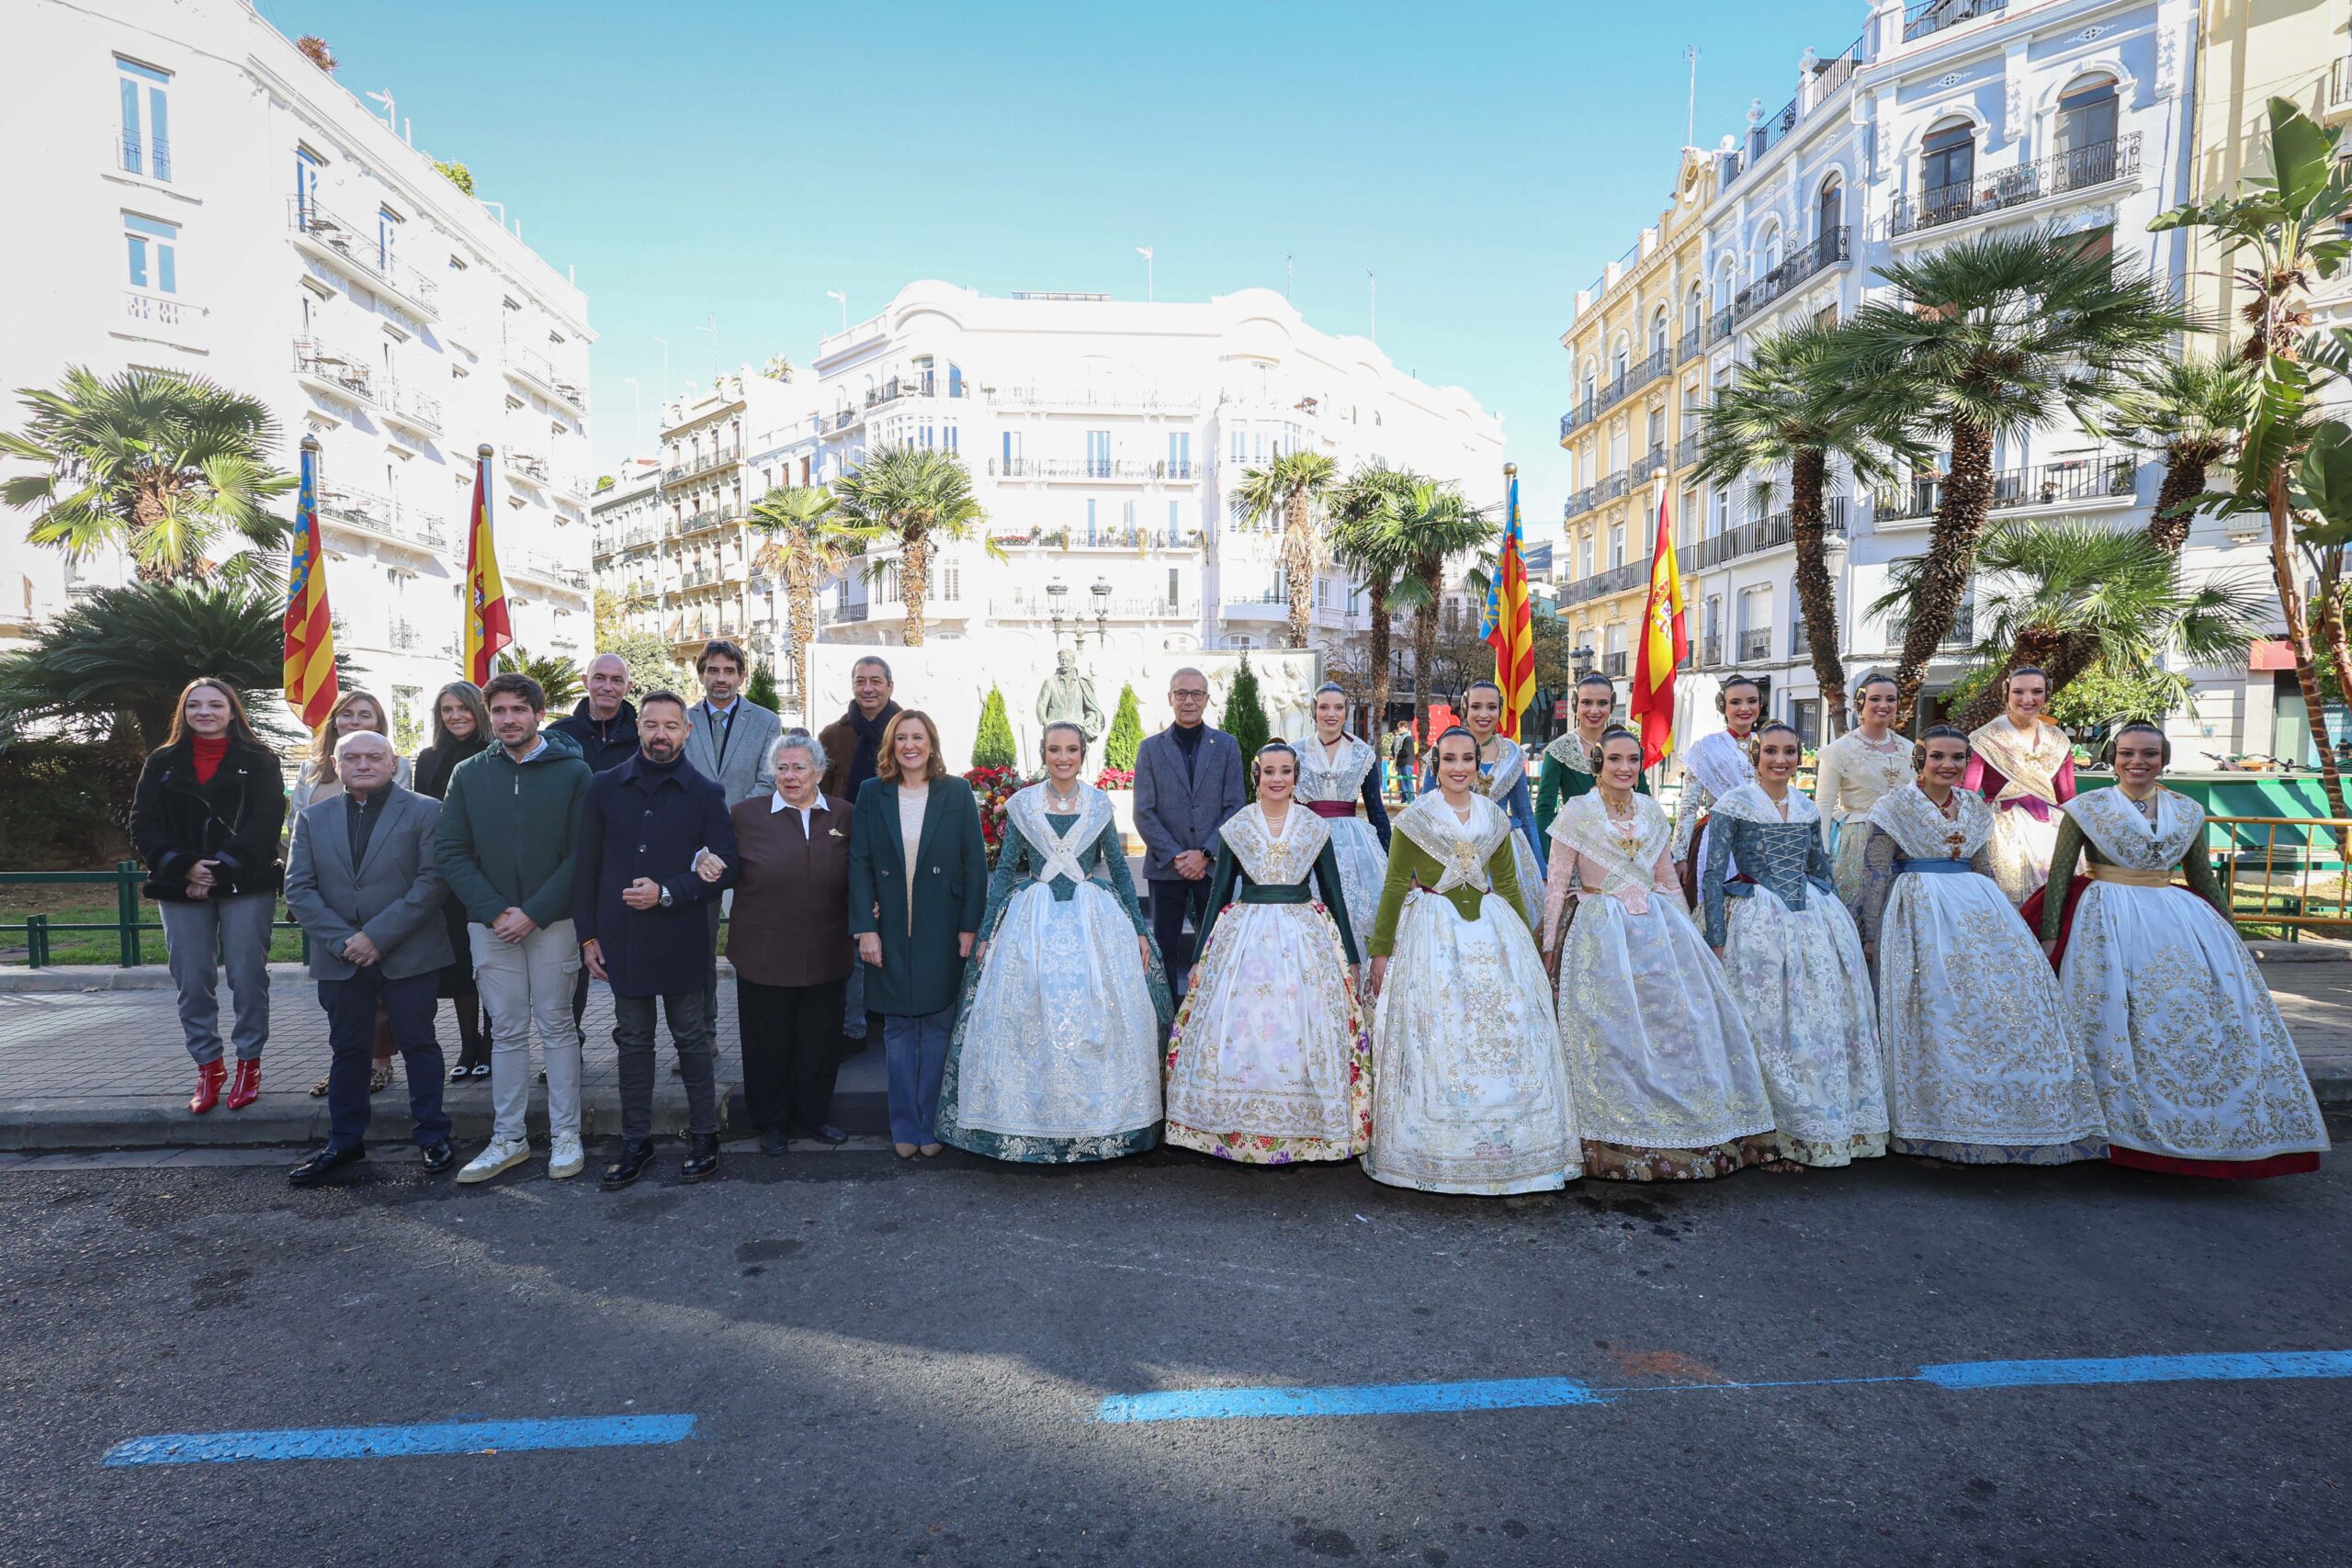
(95, 904)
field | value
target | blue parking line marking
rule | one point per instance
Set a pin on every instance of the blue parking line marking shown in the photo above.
(394, 1442)
(1524, 1393)
(2246, 1367)
(1372, 1399)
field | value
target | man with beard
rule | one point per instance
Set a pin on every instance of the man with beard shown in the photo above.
(655, 846)
(853, 741)
(604, 724)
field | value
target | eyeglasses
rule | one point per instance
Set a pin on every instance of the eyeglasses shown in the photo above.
(1191, 695)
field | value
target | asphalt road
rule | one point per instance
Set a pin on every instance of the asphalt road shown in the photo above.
(891, 1364)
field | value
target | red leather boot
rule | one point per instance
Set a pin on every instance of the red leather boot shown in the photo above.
(208, 1078)
(247, 1087)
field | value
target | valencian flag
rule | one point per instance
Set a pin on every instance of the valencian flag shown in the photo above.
(1506, 624)
(1664, 644)
(488, 629)
(309, 653)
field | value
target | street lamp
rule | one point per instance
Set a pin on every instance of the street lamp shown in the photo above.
(1102, 591)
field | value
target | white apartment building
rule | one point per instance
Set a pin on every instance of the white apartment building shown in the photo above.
(213, 202)
(1107, 440)
(1944, 120)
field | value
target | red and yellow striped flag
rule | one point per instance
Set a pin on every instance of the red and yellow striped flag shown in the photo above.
(488, 630)
(1508, 625)
(309, 651)
(1665, 643)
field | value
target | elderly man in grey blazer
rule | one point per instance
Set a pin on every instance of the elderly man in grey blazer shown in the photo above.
(1188, 780)
(364, 883)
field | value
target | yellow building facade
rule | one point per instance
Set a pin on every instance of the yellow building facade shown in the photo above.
(1637, 356)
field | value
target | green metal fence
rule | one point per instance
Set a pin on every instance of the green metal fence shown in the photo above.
(130, 927)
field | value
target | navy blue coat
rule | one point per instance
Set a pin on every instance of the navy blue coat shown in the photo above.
(637, 822)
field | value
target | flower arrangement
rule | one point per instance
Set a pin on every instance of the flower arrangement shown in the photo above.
(1115, 778)
(994, 787)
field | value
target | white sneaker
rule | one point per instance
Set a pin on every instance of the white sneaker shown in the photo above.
(500, 1155)
(564, 1157)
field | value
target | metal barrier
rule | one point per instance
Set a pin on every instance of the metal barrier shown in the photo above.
(2295, 870)
(128, 926)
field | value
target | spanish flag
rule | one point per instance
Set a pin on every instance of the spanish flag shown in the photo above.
(1665, 643)
(1506, 624)
(488, 630)
(309, 652)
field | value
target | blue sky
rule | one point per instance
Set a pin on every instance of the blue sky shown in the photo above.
(737, 160)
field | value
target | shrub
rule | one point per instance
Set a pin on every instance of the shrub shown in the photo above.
(1245, 715)
(993, 746)
(1127, 734)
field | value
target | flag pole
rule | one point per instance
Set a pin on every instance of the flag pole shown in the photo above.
(1502, 676)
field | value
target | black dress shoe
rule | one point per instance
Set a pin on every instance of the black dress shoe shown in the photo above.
(439, 1157)
(772, 1141)
(323, 1163)
(827, 1135)
(634, 1157)
(702, 1159)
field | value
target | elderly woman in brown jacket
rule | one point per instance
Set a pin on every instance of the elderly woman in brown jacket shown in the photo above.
(788, 939)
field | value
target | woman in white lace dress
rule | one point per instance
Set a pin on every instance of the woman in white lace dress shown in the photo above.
(1714, 766)
(1981, 1067)
(1335, 770)
(1854, 772)
(1469, 1092)
(1795, 961)
(1664, 1072)
(1502, 774)
(2023, 763)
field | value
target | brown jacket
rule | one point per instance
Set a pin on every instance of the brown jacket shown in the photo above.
(791, 925)
(838, 741)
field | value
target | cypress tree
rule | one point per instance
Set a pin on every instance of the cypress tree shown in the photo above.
(1126, 733)
(992, 747)
(1245, 716)
(760, 692)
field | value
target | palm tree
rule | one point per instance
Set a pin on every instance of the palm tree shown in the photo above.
(1785, 413)
(166, 467)
(2193, 412)
(1292, 485)
(128, 651)
(2286, 226)
(1437, 527)
(1368, 538)
(1987, 338)
(2067, 594)
(805, 546)
(558, 677)
(912, 495)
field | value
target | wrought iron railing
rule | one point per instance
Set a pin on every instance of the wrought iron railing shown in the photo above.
(1934, 15)
(2068, 482)
(1826, 251)
(1996, 190)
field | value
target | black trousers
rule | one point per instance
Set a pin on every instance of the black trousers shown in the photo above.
(1170, 902)
(633, 1024)
(792, 1046)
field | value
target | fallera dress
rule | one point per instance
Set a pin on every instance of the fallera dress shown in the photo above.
(2195, 1072)
(2027, 776)
(1850, 775)
(1056, 1055)
(1270, 1063)
(1714, 766)
(1469, 1091)
(1570, 768)
(1664, 1072)
(1794, 960)
(1505, 782)
(1981, 1068)
(1329, 785)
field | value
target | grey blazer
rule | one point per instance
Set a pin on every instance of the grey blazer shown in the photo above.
(393, 896)
(1174, 813)
(749, 766)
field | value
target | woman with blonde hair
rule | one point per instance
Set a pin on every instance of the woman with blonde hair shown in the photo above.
(2022, 763)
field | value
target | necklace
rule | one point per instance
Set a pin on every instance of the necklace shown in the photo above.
(1057, 801)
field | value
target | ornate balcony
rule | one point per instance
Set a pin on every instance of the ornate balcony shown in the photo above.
(1826, 251)
(1998, 190)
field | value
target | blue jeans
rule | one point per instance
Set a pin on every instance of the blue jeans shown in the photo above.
(236, 930)
(916, 1049)
(1405, 783)
(409, 1007)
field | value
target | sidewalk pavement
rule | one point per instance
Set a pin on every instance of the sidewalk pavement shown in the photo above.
(91, 1058)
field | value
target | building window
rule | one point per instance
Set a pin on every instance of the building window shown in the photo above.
(306, 185)
(1804, 715)
(1179, 453)
(951, 582)
(947, 437)
(1238, 446)
(1947, 167)
(146, 120)
(1616, 546)
(387, 234)
(1174, 517)
(954, 379)
(1011, 443)
(1584, 553)
(1694, 313)
(1127, 516)
(154, 254)
(2087, 123)
(1657, 334)
(1098, 453)
(1171, 587)
(1620, 361)
(1829, 210)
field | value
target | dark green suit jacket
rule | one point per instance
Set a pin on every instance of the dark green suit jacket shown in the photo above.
(921, 972)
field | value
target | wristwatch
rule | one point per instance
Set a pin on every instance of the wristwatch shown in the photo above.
(665, 898)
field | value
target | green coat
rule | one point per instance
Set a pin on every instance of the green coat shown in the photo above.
(921, 971)
(509, 831)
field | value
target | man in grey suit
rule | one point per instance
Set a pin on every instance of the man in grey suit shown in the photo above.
(363, 882)
(1188, 780)
(732, 742)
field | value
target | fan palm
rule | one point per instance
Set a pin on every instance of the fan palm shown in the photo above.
(1990, 337)
(172, 469)
(129, 651)
(2193, 412)
(1787, 411)
(558, 677)
(914, 496)
(1437, 527)
(2067, 594)
(1368, 538)
(1293, 485)
(805, 546)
